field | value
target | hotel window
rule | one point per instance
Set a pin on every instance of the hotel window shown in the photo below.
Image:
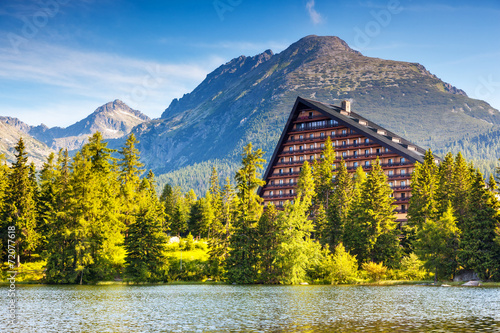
(281, 203)
(291, 191)
(281, 181)
(281, 192)
(311, 146)
(301, 158)
(354, 153)
(390, 161)
(403, 195)
(352, 131)
(322, 155)
(290, 181)
(333, 144)
(271, 193)
(310, 114)
(301, 147)
(290, 148)
(367, 141)
(367, 163)
(322, 134)
(403, 160)
(333, 133)
(272, 182)
(322, 145)
(290, 159)
(282, 160)
(403, 208)
(403, 172)
(290, 170)
(355, 164)
(281, 171)
(386, 150)
(344, 143)
(378, 150)
(291, 138)
(391, 172)
(311, 136)
(312, 158)
(391, 184)
(367, 152)
(344, 132)
(301, 137)
(344, 154)
(354, 142)
(403, 183)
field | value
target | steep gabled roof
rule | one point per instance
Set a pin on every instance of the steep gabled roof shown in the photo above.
(354, 121)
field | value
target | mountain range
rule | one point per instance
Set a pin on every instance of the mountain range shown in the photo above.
(248, 99)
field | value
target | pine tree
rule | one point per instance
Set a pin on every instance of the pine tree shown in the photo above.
(478, 250)
(20, 203)
(462, 179)
(371, 228)
(269, 238)
(219, 242)
(323, 174)
(445, 190)
(145, 241)
(424, 185)
(241, 264)
(130, 169)
(296, 244)
(340, 205)
(61, 250)
(437, 244)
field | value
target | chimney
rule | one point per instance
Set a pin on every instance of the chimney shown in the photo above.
(346, 105)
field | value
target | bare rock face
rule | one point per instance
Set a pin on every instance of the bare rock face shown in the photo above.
(114, 119)
(472, 284)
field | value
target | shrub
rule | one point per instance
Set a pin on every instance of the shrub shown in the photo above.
(344, 266)
(375, 271)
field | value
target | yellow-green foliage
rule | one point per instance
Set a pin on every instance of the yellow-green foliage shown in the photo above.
(27, 272)
(187, 265)
(375, 271)
(344, 267)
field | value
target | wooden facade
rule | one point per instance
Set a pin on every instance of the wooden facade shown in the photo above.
(355, 139)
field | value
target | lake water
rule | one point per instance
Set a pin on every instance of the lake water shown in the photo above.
(227, 308)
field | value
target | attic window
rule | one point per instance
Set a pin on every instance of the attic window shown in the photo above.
(380, 131)
(412, 148)
(398, 140)
(363, 122)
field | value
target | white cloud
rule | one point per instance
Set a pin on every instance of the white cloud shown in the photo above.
(92, 76)
(316, 17)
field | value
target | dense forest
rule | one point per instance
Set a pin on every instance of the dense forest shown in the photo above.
(93, 218)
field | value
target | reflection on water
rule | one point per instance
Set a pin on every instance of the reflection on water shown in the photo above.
(196, 308)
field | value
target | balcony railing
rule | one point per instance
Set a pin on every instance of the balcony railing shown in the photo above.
(285, 174)
(280, 196)
(269, 186)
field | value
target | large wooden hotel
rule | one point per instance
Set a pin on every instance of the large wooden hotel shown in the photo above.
(356, 139)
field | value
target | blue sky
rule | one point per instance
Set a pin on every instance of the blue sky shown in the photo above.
(61, 59)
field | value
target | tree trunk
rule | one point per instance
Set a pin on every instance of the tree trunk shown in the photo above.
(436, 276)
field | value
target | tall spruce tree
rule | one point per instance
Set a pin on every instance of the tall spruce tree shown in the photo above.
(437, 244)
(269, 239)
(219, 242)
(424, 185)
(296, 244)
(323, 174)
(478, 249)
(371, 232)
(340, 205)
(20, 204)
(241, 264)
(145, 241)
